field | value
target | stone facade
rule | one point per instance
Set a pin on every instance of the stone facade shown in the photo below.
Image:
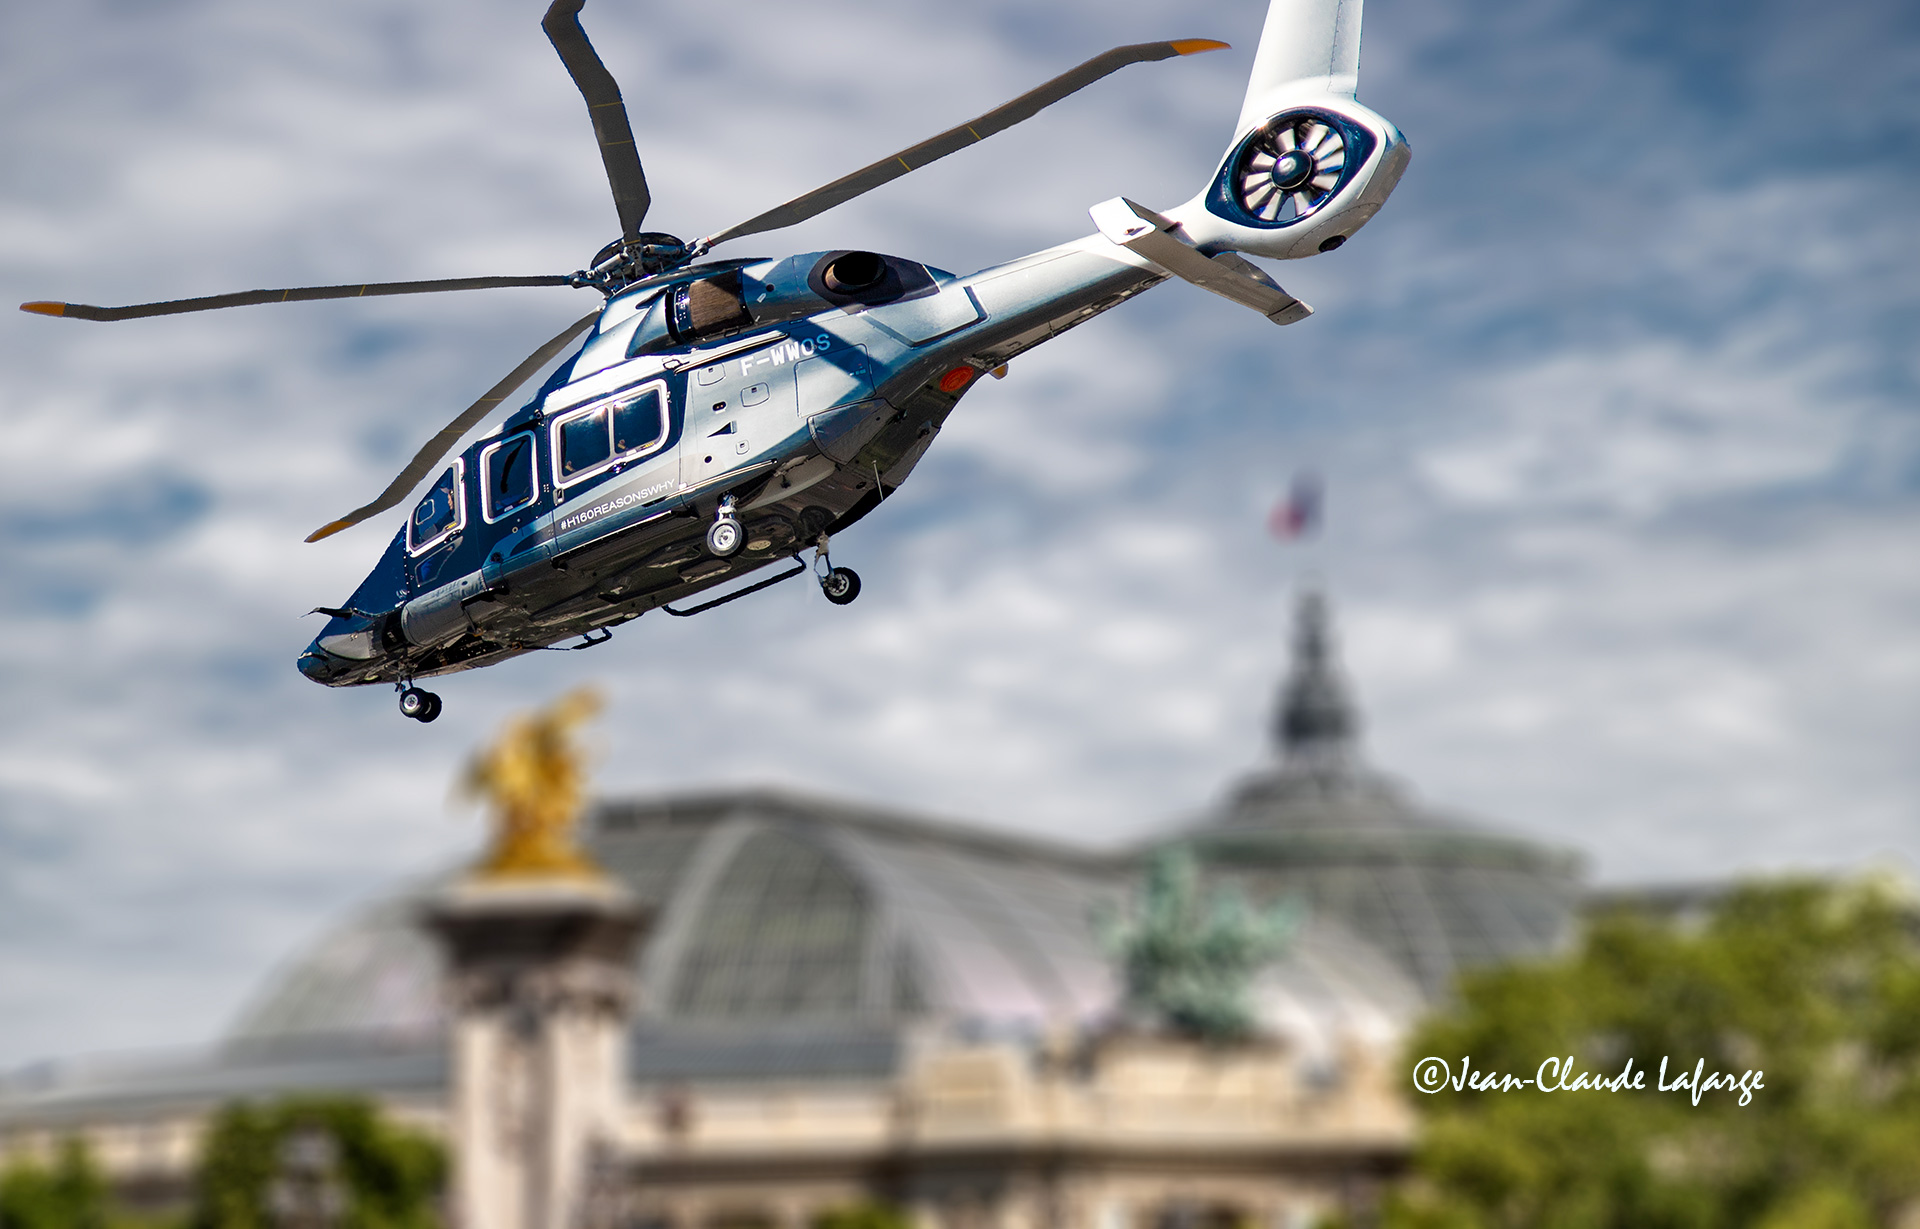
(1124, 1130)
(540, 985)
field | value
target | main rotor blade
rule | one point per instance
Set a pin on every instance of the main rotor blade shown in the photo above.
(436, 448)
(297, 294)
(608, 112)
(867, 178)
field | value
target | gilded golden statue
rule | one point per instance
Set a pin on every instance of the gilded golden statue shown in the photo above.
(534, 775)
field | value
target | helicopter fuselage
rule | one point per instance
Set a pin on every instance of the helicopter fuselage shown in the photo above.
(794, 395)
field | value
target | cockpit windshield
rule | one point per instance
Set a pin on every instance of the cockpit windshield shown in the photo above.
(439, 513)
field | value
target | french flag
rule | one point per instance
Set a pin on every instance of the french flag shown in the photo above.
(1298, 514)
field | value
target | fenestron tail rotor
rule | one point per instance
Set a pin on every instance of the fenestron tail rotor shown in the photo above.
(1291, 168)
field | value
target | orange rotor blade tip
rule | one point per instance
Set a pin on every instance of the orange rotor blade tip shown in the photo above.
(1194, 46)
(328, 530)
(45, 309)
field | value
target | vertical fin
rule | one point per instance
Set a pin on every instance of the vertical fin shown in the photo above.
(1306, 47)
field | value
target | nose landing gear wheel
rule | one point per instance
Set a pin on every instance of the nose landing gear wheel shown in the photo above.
(841, 585)
(422, 706)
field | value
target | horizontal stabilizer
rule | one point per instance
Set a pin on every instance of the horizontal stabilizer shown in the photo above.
(1149, 235)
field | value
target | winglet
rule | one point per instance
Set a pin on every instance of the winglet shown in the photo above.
(1194, 46)
(328, 530)
(44, 308)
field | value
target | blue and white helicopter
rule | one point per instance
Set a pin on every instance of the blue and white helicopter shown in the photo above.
(725, 415)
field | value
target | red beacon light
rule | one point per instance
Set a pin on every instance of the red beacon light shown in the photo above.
(956, 379)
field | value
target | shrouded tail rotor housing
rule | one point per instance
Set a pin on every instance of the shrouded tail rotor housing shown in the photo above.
(1301, 183)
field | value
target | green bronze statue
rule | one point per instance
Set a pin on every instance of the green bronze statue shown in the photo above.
(1188, 957)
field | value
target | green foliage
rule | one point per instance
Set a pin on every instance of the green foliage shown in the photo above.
(390, 1175)
(1187, 960)
(863, 1216)
(1814, 986)
(69, 1194)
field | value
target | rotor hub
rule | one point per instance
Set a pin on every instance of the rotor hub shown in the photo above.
(656, 251)
(1292, 169)
(625, 261)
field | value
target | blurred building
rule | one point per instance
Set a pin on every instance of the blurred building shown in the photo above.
(845, 1004)
(1434, 892)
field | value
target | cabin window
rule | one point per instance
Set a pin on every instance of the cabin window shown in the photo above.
(583, 444)
(508, 466)
(639, 423)
(440, 513)
(588, 441)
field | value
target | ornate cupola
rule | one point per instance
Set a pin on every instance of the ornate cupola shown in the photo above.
(1315, 722)
(1325, 828)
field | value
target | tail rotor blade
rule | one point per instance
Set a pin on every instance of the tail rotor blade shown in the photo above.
(867, 178)
(296, 294)
(608, 111)
(436, 448)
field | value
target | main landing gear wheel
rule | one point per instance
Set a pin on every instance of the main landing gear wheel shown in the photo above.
(725, 538)
(841, 585)
(422, 706)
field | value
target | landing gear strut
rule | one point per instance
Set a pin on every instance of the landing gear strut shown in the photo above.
(841, 585)
(423, 706)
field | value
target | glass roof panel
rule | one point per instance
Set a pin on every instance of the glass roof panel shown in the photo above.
(783, 935)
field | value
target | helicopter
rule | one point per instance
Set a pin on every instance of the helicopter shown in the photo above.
(724, 416)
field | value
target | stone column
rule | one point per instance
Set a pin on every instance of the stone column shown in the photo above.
(540, 985)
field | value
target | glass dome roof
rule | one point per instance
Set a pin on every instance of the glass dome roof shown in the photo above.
(777, 909)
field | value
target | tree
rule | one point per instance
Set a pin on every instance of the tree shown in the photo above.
(1814, 989)
(862, 1216)
(389, 1175)
(69, 1194)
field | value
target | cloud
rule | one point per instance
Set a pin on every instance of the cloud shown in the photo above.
(1616, 411)
(1638, 427)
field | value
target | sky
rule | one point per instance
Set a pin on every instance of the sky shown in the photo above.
(1615, 403)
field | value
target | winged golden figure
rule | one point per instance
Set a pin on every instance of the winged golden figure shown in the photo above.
(534, 776)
